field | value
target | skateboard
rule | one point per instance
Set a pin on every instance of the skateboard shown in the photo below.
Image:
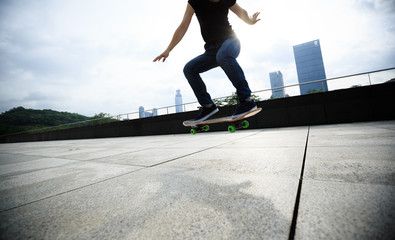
(237, 123)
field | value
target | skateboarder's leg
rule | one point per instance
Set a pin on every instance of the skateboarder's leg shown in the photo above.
(226, 58)
(192, 72)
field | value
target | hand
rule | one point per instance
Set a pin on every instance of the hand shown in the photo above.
(254, 18)
(164, 55)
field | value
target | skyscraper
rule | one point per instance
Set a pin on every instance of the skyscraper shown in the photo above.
(141, 112)
(310, 66)
(276, 81)
(178, 101)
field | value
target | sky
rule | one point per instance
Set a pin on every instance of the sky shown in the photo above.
(96, 56)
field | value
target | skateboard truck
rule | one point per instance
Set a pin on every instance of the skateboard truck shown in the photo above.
(238, 125)
(199, 128)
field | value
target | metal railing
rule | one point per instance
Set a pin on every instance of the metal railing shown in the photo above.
(348, 81)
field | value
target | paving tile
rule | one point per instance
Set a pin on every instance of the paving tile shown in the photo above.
(53, 151)
(280, 162)
(212, 139)
(367, 164)
(162, 203)
(11, 158)
(336, 210)
(150, 157)
(21, 186)
(87, 154)
(294, 137)
(361, 134)
(19, 167)
(355, 128)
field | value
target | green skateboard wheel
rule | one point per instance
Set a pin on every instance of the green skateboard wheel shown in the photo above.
(245, 124)
(231, 128)
(193, 131)
(206, 128)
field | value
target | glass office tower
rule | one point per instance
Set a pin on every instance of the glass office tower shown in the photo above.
(276, 81)
(310, 67)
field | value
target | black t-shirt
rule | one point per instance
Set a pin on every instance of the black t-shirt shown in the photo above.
(213, 19)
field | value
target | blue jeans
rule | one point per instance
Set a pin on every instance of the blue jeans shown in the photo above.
(223, 55)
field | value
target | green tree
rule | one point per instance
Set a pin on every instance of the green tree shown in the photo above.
(315, 91)
(101, 118)
(232, 100)
(101, 115)
(20, 119)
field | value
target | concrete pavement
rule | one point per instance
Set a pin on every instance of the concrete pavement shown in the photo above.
(244, 185)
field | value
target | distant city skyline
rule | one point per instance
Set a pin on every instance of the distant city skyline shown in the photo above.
(144, 114)
(154, 112)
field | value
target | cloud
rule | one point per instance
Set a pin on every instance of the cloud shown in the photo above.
(383, 6)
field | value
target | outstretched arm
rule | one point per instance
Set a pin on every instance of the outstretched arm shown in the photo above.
(178, 34)
(243, 15)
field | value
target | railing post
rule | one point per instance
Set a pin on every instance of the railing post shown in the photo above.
(370, 82)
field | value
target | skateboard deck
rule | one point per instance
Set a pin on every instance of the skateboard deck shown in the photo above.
(236, 123)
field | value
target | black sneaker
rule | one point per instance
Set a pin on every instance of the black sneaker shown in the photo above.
(243, 108)
(206, 112)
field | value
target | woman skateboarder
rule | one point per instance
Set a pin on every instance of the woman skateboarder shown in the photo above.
(222, 47)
